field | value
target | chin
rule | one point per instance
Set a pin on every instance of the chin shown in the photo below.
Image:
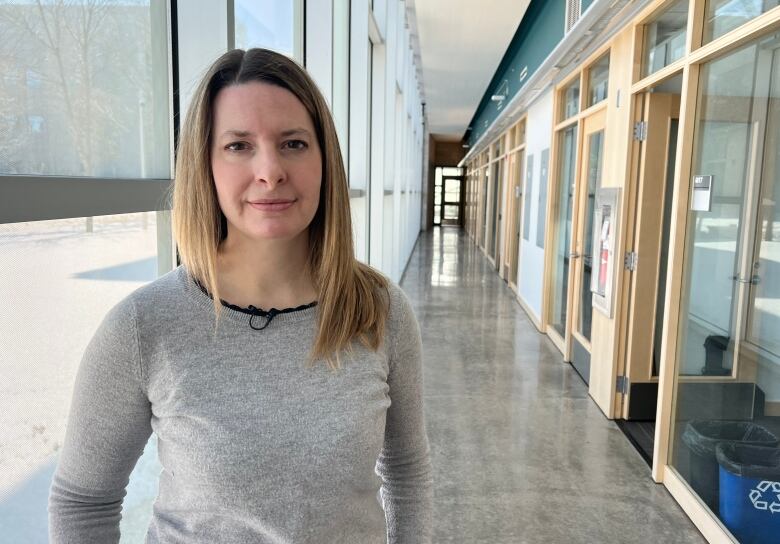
(276, 232)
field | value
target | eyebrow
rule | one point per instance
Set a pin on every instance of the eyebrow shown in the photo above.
(284, 133)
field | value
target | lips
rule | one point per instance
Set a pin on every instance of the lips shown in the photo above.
(271, 204)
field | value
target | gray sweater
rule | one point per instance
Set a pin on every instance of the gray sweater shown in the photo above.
(255, 447)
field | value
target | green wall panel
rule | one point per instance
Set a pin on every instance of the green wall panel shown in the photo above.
(540, 31)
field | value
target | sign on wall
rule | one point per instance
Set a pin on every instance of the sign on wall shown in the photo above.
(606, 217)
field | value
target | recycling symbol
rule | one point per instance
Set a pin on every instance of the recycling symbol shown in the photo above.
(764, 495)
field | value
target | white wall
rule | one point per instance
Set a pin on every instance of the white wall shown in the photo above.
(538, 138)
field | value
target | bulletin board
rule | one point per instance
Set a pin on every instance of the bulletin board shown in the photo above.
(606, 221)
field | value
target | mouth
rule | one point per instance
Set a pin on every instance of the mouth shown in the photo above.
(272, 204)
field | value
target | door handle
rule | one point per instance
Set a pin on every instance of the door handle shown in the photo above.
(753, 280)
(574, 255)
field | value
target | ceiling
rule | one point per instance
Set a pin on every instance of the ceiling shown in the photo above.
(461, 44)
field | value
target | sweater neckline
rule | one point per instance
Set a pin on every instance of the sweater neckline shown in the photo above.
(256, 318)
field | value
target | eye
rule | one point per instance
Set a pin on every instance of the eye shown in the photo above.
(295, 144)
(237, 146)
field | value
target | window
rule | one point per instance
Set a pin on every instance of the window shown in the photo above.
(75, 100)
(48, 316)
(570, 99)
(722, 16)
(665, 38)
(265, 23)
(598, 80)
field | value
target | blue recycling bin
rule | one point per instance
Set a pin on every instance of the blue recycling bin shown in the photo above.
(702, 438)
(750, 491)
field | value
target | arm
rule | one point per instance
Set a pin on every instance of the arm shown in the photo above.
(108, 426)
(404, 463)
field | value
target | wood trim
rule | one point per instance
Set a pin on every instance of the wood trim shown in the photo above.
(763, 24)
(650, 197)
(595, 108)
(623, 303)
(693, 36)
(674, 277)
(651, 10)
(655, 78)
(529, 312)
(557, 341)
(562, 84)
(708, 524)
(567, 123)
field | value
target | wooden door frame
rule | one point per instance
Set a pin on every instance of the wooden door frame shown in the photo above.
(644, 234)
(591, 124)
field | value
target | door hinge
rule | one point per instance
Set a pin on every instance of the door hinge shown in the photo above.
(621, 385)
(640, 131)
(630, 260)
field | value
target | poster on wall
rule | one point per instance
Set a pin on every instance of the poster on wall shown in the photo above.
(606, 216)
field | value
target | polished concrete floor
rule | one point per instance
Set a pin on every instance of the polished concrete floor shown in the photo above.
(521, 454)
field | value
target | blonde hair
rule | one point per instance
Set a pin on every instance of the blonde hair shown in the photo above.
(352, 297)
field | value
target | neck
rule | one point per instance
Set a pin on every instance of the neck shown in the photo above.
(265, 274)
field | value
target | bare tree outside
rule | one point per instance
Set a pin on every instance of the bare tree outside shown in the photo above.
(78, 96)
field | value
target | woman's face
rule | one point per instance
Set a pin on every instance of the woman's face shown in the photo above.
(266, 161)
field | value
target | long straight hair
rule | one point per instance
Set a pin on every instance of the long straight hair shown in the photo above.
(352, 297)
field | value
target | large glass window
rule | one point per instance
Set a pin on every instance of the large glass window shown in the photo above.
(665, 38)
(563, 216)
(48, 315)
(265, 23)
(75, 98)
(595, 158)
(598, 80)
(722, 16)
(727, 423)
(570, 99)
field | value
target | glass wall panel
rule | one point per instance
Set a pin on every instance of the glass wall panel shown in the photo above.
(570, 99)
(563, 216)
(75, 99)
(722, 16)
(727, 420)
(265, 23)
(48, 315)
(496, 202)
(485, 195)
(595, 163)
(665, 38)
(598, 80)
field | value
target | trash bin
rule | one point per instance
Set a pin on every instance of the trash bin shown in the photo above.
(750, 492)
(715, 347)
(702, 437)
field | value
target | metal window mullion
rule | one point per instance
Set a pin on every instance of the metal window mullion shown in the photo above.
(41, 198)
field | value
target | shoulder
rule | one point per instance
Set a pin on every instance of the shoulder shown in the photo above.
(401, 319)
(150, 301)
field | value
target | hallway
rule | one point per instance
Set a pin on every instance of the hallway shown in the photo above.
(521, 454)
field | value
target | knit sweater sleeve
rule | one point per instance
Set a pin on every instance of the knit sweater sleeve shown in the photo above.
(108, 427)
(404, 463)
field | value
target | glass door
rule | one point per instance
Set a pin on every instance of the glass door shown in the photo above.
(728, 358)
(516, 216)
(580, 263)
(451, 207)
(563, 211)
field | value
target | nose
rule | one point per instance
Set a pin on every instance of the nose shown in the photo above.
(268, 168)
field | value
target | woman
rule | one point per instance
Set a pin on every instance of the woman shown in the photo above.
(281, 376)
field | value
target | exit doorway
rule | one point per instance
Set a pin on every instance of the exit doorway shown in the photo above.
(448, 196)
